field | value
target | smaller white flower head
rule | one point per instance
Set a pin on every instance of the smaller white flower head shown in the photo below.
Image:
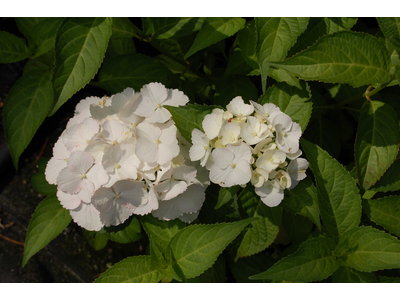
(297, 170)
(157, 143)
(239, 109)
(153, 97)
(254, 131)
(212, 123)
(230, 133)
(271, 193)
(201, 148)
(117, 203)
(288, 133)
(231, 165)
(268, 111)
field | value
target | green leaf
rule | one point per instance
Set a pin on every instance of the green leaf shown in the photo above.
(25, 24)
(385, 279)
(227, 194)
(135, 269)
(391, 29)
(80, 47)
(248, 266)
(12, 48)
(39, 182)
(292, 101)
(44, 63)
(339, 24)
(196, 247)
(275, 36)
(377, 142)
(95, 239)
(26, 107)
(128, 232)
(283, 76)
(313, 261)
(214, 30)
(247, 37)
(390, 181)
(235, 85)
(385, 212)
(345, 274)
(43, 35)
(166, 28)
(161, 232)
(189, 117)
(370, 249)
(215, 274)
(122, 28)
(315, 29)
(132, 70)
(338, 196)
(237, 64)
(319, 130)
(263, 231)
(48, 221)
(343, 57)
(303, 200)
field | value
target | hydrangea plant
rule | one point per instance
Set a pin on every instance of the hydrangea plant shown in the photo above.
(261, 148)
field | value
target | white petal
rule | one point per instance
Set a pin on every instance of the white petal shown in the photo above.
(241, 174)
(69, 182)
(220, 176)
(176, 98)
(133, 193)
(238, 108)
(154, 91)
(241, 152)
(112, 157)
(176, 188)
(189, 218)
(147, 151)
(97, 175)
(86, 193)
(223, 157)
(53, 168)
(151, 205)
(160, 115)
(68, 201)
(112, 130)
(87, 216)
(60, 151)
(147, 131)
(212, 123)
(197, 152)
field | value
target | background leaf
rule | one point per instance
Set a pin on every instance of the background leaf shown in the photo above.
(390, 181)
(43, 35)
(339, 24)
(196, 247)
(167, 27)
(128, 232)
(232, 86)
(391, 29)
(292, 101)
(132, 70)
(135, 269)
(343, 57)
(48, 221)
(313, 261)
(214, 30)
(12, 48)
(26, 107)
(338, 196)
(377, 142)
(77, 61)
(370, 249)
(215, 274)
(227, 194)
(248, 266)
(385, 212)
(247, 38)
(275, 36)
(96, 239)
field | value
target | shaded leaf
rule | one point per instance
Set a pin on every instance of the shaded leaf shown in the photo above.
(237, 64)
(132, 70)
(247, 37)
(297, 227)
(338, 196)
(339, 24)
(313, 261)
(118, 47)
(167, 27)
(39, 182)
(283, 76)
(346, 274)
(215, 274)
(377, 142)
(385, 212)
(235, 85)
(214, 30)
(135, 269)
(43, 63)
(248, 266)
(343, 57)
(43, 35)
(122, 28)
(303, 200)
(227, 194)
(128, 232)
(80, 47)
(12, 48)
(95, 239)
(26, 107)
(48, 221)
(391, 29)
(390, 181)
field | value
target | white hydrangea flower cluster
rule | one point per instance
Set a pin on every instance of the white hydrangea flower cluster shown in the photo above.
(123, 155)
(238, 147)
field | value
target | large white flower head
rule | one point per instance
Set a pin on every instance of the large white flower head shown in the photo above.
(123, 155)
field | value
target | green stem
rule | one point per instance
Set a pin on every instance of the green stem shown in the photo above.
(369, 93)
